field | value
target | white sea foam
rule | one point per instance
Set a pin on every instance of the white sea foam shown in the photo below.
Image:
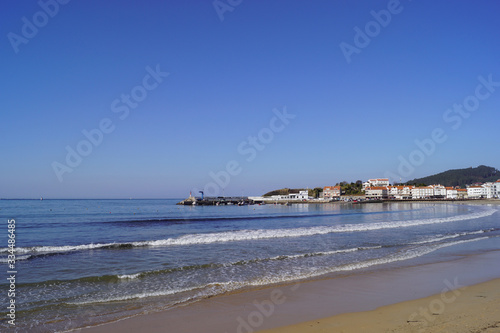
(60, 249)
(216, 288)
(213, 288)
(248, 235)
(404, 255)
(135, 296)
(441, 238)
(18, 258)
(243, 235)
(324, 253)
(129, 276)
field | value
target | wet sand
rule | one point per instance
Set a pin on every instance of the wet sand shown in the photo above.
(468, 309)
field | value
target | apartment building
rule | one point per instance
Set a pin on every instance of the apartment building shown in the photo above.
(376, 192)
(331, 192)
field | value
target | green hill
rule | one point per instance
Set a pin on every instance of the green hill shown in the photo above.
(315, 192)
(284, 191)
(460, 177)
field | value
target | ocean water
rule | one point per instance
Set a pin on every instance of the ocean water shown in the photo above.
(85, 262)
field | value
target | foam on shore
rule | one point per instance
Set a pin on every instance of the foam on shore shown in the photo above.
(313, 300)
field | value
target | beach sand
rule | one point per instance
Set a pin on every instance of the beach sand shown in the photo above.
(471, 309)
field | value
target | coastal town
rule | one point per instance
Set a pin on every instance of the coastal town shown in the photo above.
(380, 189)
(373, 190)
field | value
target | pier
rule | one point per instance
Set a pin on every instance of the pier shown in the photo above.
(216, 201)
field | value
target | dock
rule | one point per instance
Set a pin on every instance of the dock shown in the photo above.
(216, 201)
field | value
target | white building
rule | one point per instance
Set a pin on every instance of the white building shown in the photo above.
(476, 192)
(489, 189)
(301, 195)
(376, 182)
(392, 191)
(439, 191)
(492, 189)
(462, 193)
(422, 192)
(451, 193)
(376, 192)
(399, 192)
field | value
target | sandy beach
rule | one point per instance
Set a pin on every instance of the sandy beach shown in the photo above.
(468, 309)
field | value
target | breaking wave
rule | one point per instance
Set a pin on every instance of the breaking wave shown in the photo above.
(249, 235)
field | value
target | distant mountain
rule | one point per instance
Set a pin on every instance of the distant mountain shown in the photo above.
(460, 177)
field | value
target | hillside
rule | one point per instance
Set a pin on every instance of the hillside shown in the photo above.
(460, 177)
(284, 191)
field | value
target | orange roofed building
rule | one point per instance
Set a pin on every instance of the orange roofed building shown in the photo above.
(330, 192)
(376, 192)
(462, 193)
(451, 193)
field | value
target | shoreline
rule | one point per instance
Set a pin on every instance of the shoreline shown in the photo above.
(188, 202)
(316, 304)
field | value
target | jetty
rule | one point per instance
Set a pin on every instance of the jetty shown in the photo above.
(216, 201)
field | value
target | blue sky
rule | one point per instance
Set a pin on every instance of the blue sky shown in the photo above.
(351, 120)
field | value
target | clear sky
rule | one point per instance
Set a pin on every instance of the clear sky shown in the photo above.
(259, 94)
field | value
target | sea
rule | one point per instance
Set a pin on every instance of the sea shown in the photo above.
(80, 263)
